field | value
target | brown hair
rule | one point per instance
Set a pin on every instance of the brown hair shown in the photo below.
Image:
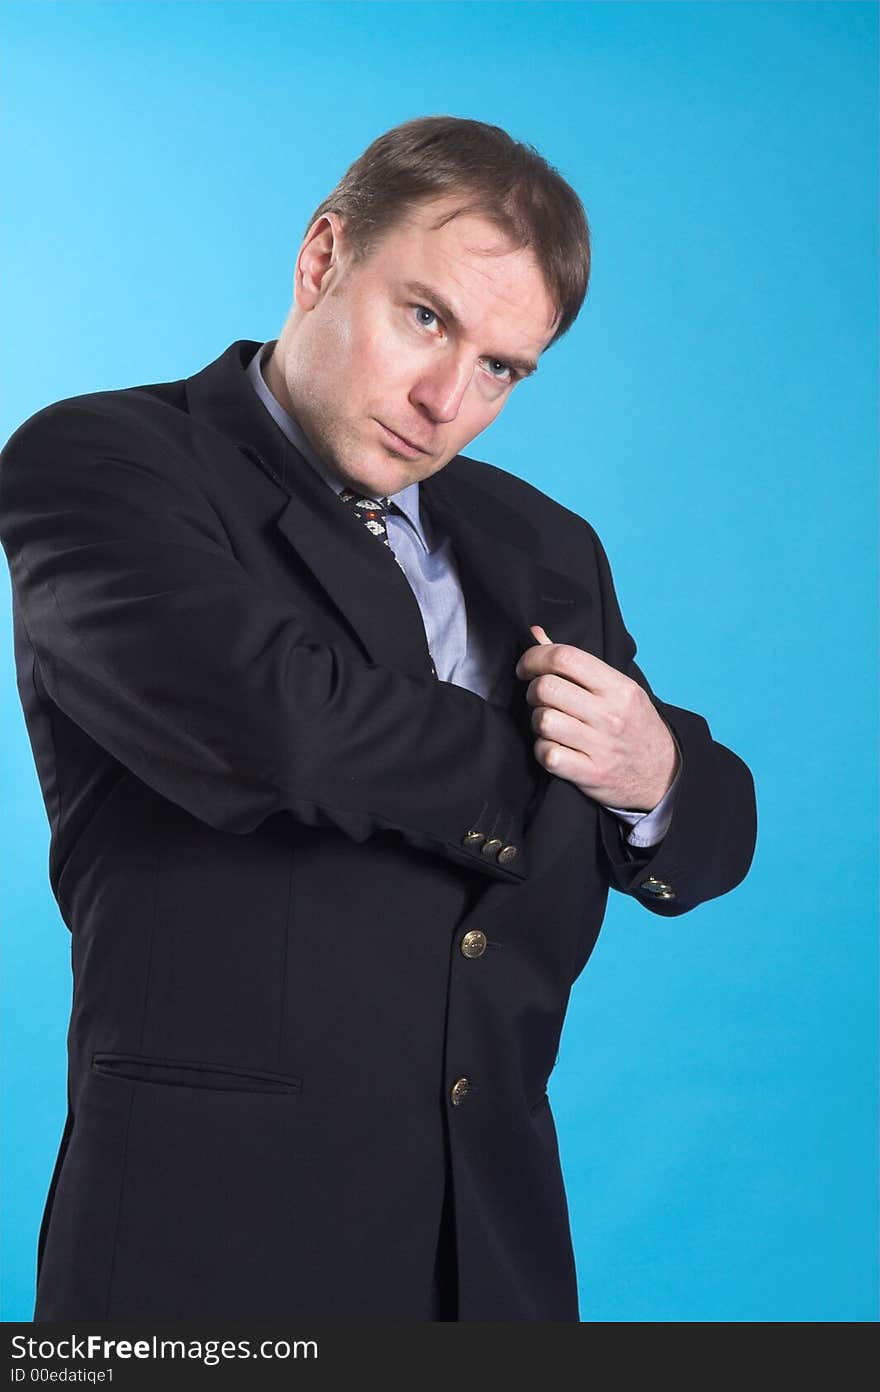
(499, 177)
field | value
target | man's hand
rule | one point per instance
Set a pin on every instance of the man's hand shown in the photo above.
(596, 728)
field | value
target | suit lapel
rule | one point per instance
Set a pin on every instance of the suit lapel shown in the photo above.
(497, 549)
(361, 578)
(495, 545)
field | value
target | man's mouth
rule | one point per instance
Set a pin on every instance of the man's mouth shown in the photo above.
(401, 443)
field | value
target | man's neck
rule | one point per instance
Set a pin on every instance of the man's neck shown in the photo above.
(274, 379)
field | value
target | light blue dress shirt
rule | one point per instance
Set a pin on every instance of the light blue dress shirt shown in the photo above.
(429, 565)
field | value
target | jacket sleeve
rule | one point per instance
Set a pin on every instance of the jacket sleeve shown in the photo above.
(709, 845)
(151, 636)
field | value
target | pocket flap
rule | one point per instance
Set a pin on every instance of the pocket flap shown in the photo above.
(190, 1073)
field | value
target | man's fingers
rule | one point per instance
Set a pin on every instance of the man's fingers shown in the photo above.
(569, 764)
(549, 690)
(574, 664)
(562, 728)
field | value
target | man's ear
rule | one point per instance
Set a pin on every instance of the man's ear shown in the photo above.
(318, 260)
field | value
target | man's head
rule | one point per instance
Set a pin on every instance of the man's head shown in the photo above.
(448, 258)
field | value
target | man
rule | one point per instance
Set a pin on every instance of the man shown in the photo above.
(335, 807)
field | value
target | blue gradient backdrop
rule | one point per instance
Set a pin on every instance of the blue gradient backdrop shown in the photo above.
(713, 413)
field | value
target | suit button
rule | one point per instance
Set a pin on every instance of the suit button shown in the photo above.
(659, 888)
(458, 1092)
(474, 838)
(473, 944)
(492, 847)
(506, 855)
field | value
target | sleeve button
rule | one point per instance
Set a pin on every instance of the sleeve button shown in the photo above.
(658, 888)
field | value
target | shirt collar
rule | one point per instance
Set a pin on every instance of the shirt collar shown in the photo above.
(407, 499)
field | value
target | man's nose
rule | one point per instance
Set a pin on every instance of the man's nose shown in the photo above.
(440, 389)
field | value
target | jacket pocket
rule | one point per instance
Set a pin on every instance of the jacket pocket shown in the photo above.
(188, 1073)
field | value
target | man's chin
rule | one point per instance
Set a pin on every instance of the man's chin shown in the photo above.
(390, 477)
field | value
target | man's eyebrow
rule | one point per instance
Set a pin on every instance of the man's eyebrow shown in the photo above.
(525, 366)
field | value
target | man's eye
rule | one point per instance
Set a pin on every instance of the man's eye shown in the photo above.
(499, 369)
(429, 313)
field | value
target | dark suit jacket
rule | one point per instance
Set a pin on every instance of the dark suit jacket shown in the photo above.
(271, 829)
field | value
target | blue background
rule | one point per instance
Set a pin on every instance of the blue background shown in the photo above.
(712, 412)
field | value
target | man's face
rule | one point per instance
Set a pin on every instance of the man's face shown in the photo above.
(393, 364)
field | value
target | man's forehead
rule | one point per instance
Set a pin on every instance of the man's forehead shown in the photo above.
(454, 234)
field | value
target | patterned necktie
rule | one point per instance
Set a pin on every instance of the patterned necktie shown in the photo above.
(371, 512)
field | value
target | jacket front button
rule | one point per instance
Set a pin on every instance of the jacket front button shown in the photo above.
(492, 847)
(458, 1091)
(473, 944)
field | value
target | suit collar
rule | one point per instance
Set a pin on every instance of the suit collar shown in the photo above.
(496, 545)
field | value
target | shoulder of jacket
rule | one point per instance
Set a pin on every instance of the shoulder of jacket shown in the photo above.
(90, 417)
